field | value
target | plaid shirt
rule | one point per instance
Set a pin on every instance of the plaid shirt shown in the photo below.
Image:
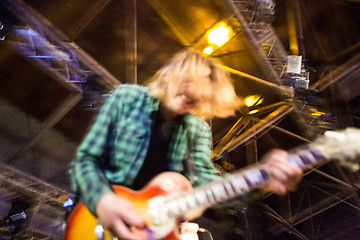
(115, 147)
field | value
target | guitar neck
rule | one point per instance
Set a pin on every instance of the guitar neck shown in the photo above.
(236, 184)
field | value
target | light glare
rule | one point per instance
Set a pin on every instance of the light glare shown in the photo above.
(219, 35)
(208, 50)
(253, 100)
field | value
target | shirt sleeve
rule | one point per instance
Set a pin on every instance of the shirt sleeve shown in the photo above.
(205, 170)
(88, 179)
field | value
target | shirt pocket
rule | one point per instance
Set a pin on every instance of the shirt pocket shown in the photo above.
(130, 142)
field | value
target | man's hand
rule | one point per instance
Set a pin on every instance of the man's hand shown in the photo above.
(116, 214)
(285, 176)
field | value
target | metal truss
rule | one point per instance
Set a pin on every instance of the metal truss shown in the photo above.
(304, 205)
(265, 118)
(46, 203)
(258, 16)
(34, 188)
(42, 44)
(236, 137)
(324, 187)
(37, 39)
(318, 193)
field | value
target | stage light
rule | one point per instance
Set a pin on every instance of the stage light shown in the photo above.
(18, 216)
(69, 202)
(219, 34)
(253, 111)
(2, 38)
(208, 50)
(316, 113)
(253, 100)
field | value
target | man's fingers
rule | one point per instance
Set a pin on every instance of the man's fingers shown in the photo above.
(132, 218)
(276, 187)
(118, 215)
(278, 174)
(122, 231)
(285, 176)
(293, 182)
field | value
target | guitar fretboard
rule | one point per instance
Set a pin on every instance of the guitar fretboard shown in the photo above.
(235, 184)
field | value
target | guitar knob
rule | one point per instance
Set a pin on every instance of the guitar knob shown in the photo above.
(99, 231)
(168, 185)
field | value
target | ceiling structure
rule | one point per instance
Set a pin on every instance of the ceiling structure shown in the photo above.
(60, 59)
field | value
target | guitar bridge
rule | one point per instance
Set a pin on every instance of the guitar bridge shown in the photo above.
(157, 210)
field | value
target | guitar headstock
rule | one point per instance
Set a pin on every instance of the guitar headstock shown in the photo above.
(342, 145)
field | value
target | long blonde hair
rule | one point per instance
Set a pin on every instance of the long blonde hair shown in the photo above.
(218, 99)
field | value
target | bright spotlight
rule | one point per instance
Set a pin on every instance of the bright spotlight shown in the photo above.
(253, 100)
(208, 50)
(219, 35)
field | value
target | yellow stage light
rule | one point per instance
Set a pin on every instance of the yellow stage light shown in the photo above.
(316, 113)
(253, 100)
(208, 50)
(253, 111)
(219, 35)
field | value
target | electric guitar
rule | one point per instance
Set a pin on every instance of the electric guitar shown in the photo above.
(170, 196)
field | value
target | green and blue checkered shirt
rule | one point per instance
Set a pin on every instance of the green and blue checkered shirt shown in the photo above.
(115, 147)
